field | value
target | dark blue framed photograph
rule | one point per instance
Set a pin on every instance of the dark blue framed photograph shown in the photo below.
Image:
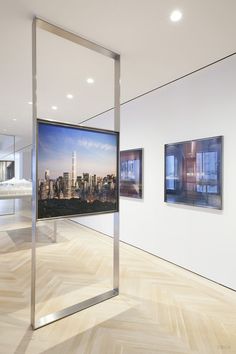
(193, 172)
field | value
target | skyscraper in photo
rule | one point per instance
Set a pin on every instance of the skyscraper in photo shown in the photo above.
(67, 185)
(74, 168)
(47, 175)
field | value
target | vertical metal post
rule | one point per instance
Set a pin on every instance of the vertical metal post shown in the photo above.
(14, 158)
(34, 172)
(116, 260)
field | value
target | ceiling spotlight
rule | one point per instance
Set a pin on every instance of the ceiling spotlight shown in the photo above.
(54, 108)
(176, 16)
(30, 102)
(90, 80)
(14, 119)
(70, 96)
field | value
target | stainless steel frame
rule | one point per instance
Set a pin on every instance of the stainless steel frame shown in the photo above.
(43, 321)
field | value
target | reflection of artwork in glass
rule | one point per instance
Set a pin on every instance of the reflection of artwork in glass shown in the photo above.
(193, 172)
(6, 170)
(77, 170)
(7, 173)
(13, 188)
(131, 173)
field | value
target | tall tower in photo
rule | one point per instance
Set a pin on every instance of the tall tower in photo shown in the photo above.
(73, 168)
(47, 175)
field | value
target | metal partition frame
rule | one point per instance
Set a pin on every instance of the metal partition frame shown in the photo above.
(43, 321)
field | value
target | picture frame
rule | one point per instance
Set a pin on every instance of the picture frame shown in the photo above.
(69, 194)
(193, 172)
(131, 173)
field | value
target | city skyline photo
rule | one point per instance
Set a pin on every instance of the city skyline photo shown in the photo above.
(57, 143)
(77, 170)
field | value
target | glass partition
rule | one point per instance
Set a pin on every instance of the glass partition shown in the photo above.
(73, 267)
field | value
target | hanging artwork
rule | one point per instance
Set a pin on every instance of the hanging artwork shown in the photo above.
(193, 172)
(77, 170)
(131, 173)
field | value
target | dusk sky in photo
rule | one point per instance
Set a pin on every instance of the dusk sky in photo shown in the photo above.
(96, 152)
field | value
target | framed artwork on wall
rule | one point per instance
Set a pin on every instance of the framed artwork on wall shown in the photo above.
(193, 172)
(77, 170)
(131, 173)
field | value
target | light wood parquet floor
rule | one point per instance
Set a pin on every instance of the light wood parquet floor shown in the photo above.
(161, 308)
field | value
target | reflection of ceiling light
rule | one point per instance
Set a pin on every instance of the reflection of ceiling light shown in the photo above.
(70, 96)
(90, 80)
(176, 16)
(14, 119)
(54, 108)
(4, 130)
(30, 102)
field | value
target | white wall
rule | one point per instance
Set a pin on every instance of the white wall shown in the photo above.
(198, 106)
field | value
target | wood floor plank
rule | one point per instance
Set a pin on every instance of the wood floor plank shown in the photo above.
(161, 308)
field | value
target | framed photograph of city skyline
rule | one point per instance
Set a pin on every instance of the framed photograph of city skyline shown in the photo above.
(193, 172)
(131, 173)
(76, 170)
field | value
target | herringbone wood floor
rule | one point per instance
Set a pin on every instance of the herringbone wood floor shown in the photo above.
(161, 308)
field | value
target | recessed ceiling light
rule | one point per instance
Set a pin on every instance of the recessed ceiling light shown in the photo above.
(54, 108)
(14, 119)
(70, 96)
(176, 16)
(90, 80)
(30, 102)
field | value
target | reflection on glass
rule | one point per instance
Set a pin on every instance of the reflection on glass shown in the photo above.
(7, 172)
(193, 172)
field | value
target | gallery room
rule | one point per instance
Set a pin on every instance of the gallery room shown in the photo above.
(117, 177)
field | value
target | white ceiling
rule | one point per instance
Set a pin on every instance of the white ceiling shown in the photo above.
(153, 51)
(62, 68)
